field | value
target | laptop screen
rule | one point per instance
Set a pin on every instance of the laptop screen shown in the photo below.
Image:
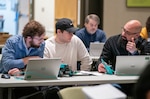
(96, 49)
(42, 69)
(131, 65)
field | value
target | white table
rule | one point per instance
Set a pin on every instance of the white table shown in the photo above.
(75, 80)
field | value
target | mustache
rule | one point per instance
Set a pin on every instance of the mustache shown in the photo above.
(124, 38)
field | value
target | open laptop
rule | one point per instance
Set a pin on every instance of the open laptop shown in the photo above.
(96, 49)
(131, 65)
(38, 69)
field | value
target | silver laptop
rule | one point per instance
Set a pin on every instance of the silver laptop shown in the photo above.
(38, 69)
(131, 65)
(96, 49)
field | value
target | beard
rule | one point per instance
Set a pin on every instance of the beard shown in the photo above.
(123, 42)
(92, 31)
(34, 45)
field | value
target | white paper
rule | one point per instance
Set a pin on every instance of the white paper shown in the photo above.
(105, 91)
(91, 73)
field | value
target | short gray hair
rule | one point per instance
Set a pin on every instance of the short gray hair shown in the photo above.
(93, 17)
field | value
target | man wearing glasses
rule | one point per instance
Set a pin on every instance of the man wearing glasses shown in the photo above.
(19, 49)
(121, 44)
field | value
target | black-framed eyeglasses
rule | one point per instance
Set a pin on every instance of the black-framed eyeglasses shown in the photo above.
(127, 32)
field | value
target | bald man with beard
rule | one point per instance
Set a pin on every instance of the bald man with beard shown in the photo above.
(121, 44)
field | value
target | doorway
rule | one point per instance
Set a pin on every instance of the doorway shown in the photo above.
(91, 7)
(66, 9)
(25, 10)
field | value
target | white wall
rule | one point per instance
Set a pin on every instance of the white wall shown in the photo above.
(44, 13)
(116, 14)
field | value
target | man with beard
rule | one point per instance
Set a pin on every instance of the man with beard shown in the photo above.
(91, 33)
(19, 49)
(122, 44)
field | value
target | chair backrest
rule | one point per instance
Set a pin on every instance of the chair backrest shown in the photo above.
(72, 93)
